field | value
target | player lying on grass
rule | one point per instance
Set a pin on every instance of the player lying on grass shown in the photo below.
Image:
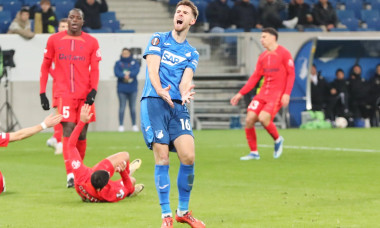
(95, 184)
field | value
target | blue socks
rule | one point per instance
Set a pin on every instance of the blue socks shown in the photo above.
(185, 181)
(162, 181)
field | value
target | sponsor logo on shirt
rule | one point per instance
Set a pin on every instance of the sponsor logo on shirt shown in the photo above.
(71, 57)
(167, 44)
(270, 70)
(188, 54)
(171, 59)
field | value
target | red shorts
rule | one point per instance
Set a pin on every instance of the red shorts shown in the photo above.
(70, 109)
(104, 164)
(257, 105)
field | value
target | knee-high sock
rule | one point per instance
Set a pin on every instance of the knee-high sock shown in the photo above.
(65, 143)
(185, 181)
(81, 146)
(162, 181)
(250, 134)
(58, 132)
(272, 130)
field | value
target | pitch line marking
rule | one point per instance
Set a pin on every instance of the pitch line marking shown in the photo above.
(325, 148)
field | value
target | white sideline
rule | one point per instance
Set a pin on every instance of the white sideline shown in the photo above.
(325, 148)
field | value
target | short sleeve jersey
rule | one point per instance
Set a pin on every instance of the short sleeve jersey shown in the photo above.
(175, 58)
(72, 56)
(4, 139)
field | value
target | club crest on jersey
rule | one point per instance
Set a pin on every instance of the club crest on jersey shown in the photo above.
(171, 59)
(290, 63)
(98, 53)
(75, 164)
(155, 41)
(159, 134)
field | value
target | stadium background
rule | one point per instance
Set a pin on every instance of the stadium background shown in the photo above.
(222, 56)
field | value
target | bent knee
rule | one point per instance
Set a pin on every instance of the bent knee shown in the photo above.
(264, 120)
(249, 122)
(188, 159)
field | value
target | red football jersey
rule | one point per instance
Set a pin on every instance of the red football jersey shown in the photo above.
(277, 67)
(112, 192)
(4, 139)
(76, 60)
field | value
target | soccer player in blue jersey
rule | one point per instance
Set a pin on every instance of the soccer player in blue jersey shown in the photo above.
(165, 120)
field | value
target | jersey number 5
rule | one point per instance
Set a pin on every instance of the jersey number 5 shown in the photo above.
(66, 112)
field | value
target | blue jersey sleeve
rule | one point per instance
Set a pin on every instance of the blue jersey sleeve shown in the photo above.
(193, 63)
(154, 45)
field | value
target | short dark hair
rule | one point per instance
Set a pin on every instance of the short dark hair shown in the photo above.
(339, 70)
(126, 49)
(271, 30)
(99, 179)
(79, 11)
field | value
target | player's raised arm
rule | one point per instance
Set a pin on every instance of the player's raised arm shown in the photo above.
(153, 63)
(85, 116)
(48, 122)
(85, 113)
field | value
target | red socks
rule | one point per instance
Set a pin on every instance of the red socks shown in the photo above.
(58, 131)
(272, 130)
(250, 134)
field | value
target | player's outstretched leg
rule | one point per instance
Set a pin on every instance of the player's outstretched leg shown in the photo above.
(278, 144)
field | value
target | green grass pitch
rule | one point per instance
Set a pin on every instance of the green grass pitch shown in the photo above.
(325, 178)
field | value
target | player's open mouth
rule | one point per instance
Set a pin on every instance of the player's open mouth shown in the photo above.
(74, 26)
(179, 22)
